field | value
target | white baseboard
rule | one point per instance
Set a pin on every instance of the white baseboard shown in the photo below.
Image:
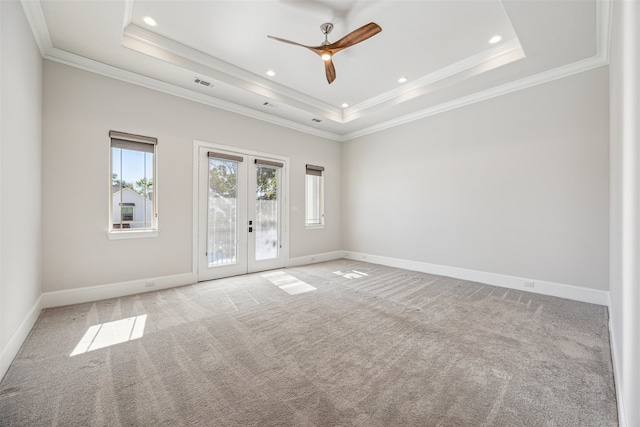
(312, 259)
(10, 351)
(617, 373)
(571, 292)
(115, 290)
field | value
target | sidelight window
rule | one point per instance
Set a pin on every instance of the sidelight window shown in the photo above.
(314, 206)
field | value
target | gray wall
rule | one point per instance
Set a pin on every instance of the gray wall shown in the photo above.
(515, 185)
(79, 110)
(625, 208)
(20, 180)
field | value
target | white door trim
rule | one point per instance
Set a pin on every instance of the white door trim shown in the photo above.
(197, 145)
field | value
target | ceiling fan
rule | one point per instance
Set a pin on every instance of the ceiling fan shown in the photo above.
(326, 50)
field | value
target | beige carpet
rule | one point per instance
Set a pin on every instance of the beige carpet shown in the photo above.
(338, 343)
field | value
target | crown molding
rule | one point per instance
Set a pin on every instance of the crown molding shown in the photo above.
(224, 72)
(76, 61)
(35, 17)
(604, 19)
(604, 23)
(484, 61)
(128, 14)
(524, 83)
(157, 46)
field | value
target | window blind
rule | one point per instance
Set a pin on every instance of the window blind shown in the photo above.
(225, 156)
(130, 141)
(269, 163)
(315, 170)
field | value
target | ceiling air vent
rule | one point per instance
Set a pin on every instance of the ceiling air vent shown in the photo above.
(203, 83)
(316, 120)
(268, 104)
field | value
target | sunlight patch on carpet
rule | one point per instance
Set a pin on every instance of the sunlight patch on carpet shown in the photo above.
(111, 333)
(288, 283)
(353, 274)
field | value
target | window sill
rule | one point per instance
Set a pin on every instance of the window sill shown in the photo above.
(314, 227)
(121, 235)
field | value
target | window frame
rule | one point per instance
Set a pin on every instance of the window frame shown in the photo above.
(313, 172)
(114, 233)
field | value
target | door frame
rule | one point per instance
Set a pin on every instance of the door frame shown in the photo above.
(197, 145)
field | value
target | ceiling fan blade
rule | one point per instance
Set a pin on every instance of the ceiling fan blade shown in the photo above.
(329, 70)
(316, 49)
(355, 37)
(289, 42)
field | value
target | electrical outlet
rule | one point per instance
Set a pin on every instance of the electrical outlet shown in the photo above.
(529, 283)
(149, 284)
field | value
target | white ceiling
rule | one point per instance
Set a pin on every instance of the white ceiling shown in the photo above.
(440, 46)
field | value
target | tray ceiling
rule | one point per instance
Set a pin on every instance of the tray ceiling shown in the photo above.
(441, 48)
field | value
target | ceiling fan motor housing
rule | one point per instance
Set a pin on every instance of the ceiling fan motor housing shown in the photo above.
(326, 28)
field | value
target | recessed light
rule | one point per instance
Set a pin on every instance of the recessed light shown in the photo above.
(345, 105)
(149, 21)
(495, 39)
(402, 80)
(271, 73)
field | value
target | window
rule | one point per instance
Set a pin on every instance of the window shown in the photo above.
(126, 211)
(314, 209)
(133, 189)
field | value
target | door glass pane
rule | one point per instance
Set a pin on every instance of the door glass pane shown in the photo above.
(222, 244)
(266, 223)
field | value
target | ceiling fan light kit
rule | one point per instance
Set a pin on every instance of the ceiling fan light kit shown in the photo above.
(326, 50)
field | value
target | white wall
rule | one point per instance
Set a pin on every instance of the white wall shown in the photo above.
(625, 208)
(79, 110)
(20, 180)
(515, 185)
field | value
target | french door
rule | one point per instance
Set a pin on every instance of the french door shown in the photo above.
(240, 213)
